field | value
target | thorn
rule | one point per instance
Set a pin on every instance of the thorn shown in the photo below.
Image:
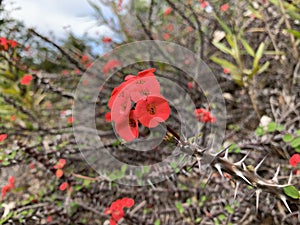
(283, 199)
(259, 164)
(226, 154)
(236, 189)
(258, 191)
(199, 165)
(209, 176)
(221, 152)
(241, 175)
(290, 178)
(218, 167)
(275, 179)
(239, 163)
(244, 166)
(151, 184)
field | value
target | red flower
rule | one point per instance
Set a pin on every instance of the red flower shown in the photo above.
(71, 119)
(166, 36)
(4, 43)
(190, 85)
(3, 137)
(226, 71)
(26, 79)
(224, 7)
(111, 64)
(13, 118)
(61, 163)
(127, 126)
(295, 160)
(106, 40)
(153, 110)
(4, 190)
(108, 117)
(8, 187)
(49, 219)
(203, 115)
(65, 72)
(168, 11)
(59, 173)
(84, 59)
(203, 4)
(76, 71)
(12, 43)
(170, 27)
(63, 186)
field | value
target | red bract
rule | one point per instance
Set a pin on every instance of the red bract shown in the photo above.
(295, 160)
(168, 11)
(224, 7)
(204, 115)
(153, 110)
(26, 79)
(116, 209)
(170, 27)
(127, 126)
(3, 137)
(110, 65)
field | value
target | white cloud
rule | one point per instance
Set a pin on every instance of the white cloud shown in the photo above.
(56, 16)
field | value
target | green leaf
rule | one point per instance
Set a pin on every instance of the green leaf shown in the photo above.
(259, 131)
(298, 132)
(297, 149)
(264, 67)
(294, 32)
(287, 138)
(223, 25)
(291, 191)
(222, 47)
(223, 62)
(272, 127)
(229, 209)
(296, 142)
(179, 207)
(258, 55)
(157, 222)
(247, 47)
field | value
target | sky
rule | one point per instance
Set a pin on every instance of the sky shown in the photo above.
(58, 16)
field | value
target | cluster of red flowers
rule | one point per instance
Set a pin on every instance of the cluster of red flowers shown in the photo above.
(8, 187)
(142, 92)
(5, 43)
(295, 160)
(204, 115)
(59, 173)
(116, 209)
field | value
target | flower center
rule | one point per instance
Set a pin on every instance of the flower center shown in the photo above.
(151, 109)
(132, 123)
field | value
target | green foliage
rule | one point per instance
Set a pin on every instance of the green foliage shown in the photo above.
(292, 192)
